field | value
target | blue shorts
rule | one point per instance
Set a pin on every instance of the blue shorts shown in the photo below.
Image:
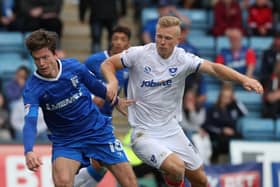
(108, 153)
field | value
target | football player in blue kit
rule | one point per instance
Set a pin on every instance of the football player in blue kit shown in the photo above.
(78, 131)
(120, 40)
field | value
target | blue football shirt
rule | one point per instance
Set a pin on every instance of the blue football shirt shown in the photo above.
(66, 103)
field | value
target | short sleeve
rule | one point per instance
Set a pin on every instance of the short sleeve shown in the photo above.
(30, 95)
(130, 56)
(192, 62)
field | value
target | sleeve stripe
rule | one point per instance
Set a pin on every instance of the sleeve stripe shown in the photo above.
(123, 63)
(197, 68)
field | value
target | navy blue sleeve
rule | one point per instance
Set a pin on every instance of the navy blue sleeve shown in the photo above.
(30, 127)
(94, 85)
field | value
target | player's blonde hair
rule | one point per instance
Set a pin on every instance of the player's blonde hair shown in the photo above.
(169, 21)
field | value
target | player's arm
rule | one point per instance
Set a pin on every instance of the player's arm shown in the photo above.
(227, 74)
(33, 162)
(108, 68)
(95, 86)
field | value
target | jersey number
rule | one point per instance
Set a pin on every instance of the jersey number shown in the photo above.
(115, 146)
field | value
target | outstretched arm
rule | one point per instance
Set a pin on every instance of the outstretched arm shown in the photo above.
(225, 73)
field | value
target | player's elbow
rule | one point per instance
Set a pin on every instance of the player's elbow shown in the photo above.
(107, 65)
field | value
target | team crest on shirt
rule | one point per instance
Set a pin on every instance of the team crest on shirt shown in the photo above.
(26, 109)
(75, 81)
(173, 71)
(153, 159)
(147, 69)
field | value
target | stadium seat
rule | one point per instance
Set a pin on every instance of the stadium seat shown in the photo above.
(205, 44)
(196, 33)
(148, 14)
(259, 44)
(11, 42)
(223, 42)
(251, 100)
(199, 18)
(277, 129)
(212, 83)
(257, 128)
(212, 96)
(10, 62)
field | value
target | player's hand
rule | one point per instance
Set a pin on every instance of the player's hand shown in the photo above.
(112, 92)
(123, 104)
(33, 161)
(253, 85)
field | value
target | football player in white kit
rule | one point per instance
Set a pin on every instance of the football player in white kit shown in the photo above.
(157, 73)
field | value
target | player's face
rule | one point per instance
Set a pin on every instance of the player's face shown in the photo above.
(46, 62)
(166, 40)
(120, 42)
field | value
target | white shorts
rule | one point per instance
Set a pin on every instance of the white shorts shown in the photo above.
(153, 151)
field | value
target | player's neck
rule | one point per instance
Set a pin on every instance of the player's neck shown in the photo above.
(56, 69)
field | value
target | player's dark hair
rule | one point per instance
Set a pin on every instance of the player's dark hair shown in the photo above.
(40, 39)
(122, 29)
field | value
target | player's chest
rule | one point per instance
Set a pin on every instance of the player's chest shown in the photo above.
(157, 70)
(64, 88)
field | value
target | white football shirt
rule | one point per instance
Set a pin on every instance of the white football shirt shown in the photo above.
(157, 85)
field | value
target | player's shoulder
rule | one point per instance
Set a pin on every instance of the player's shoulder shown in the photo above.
(69, 61)
(32, 85)
(96, 57)
(180, 54)
(148, 49)
(151, 23)
(70, 64)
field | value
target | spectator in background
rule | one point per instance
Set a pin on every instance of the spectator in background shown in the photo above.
(5, 133)
(183, 40)
(44, 14)
(238, 57)
(271, 97)
(192, 4)
(196, 83)
(221, 121)
(7, 15)
(10, 17)
(245, 4)
(139, 5)
(17, 121)
(13, 89)
(194, 113)
(260, 18)
(269, 58)
(103, 13)
(165, 8)
(276, 10)
(227, 15)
